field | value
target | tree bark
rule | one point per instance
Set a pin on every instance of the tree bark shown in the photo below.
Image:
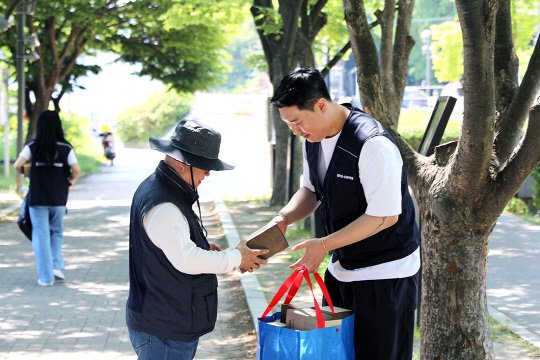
(367, 60)
(386, 20)
(470, 168)
(510, 130)
(454, 317)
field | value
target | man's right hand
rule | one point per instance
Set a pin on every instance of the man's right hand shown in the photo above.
(250, 259)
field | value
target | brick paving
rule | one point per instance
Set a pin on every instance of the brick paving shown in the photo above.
(84, 317)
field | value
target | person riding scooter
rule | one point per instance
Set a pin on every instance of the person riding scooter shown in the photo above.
(108, 143)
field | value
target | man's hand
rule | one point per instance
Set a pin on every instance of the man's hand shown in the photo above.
(215, 247)
(250, 259)
(313, 256)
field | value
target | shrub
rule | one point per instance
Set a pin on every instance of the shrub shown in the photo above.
(536, 187)
(154, 118)
(77, 129)
(517, 206)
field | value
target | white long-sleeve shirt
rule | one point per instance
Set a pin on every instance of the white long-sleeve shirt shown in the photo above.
(168, 229)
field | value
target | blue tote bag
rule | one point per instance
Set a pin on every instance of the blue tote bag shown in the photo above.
(279, 343)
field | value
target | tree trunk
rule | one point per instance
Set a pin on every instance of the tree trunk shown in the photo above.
(43, 97)
(283, 52)
(280, 168)
(454, 303)
(461, 190)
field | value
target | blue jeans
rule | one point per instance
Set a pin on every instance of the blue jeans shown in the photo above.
(150, 347)
(47, 239)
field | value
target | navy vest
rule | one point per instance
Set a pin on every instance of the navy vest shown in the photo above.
(343, 200)
(49, 184)
(162, 300)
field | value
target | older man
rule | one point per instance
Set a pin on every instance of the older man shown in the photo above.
(173, 287)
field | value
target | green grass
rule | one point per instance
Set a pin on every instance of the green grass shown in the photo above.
(413, 123)
(501, 332)
(261, 200)
(8, 184)
(518, 209)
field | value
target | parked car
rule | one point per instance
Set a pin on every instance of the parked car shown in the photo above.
(415, 99)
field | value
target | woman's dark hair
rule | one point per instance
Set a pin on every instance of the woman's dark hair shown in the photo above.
(49, 132)
(302, 87)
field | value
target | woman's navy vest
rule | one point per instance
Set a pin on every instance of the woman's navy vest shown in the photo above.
(162, 300)
(49, 184)
(343, 200)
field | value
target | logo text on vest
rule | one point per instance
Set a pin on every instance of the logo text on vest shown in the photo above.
(347, 177)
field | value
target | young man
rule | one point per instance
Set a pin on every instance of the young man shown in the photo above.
(353, 171)
(173, 287)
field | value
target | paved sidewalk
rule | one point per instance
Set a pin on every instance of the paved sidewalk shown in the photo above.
(84, 317)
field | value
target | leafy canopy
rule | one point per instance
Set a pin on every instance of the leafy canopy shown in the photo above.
(447, 53)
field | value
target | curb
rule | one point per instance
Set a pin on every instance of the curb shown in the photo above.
(255, 298)
(519, 330)
(10, 209)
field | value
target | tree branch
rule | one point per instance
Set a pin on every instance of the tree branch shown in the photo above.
(471, 165)
(290, 12)
(403, 46)
(80, 43)
(342, 53)
(74, 34)
(386, 19)
(40, 79)
(50, 25)
(525, 159)
(255, 12)
(510, 130)
(367, 59)
(336, 59)
(316, 9)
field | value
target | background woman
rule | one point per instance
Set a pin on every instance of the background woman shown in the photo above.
(54, 167)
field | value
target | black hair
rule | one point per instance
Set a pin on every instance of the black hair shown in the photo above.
(49, 132)
(302, 87)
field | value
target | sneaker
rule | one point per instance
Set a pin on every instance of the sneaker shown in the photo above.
(58, 275)
(45, 283)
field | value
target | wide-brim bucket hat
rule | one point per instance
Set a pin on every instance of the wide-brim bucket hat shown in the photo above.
(193, 143)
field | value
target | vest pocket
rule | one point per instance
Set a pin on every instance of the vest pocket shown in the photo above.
(204, 311)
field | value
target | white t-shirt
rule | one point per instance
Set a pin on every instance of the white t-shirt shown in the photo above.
(168, 229)
(379, 172)
(27, 154)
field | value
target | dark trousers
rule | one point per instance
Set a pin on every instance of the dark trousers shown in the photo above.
(384, 315)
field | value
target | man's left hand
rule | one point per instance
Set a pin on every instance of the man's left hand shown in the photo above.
(313, 256)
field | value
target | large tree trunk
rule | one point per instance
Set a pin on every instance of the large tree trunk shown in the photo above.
(454, 317)
(34, 110)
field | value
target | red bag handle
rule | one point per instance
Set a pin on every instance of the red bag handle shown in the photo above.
(281, 291)
(294, 288)
(292, 284)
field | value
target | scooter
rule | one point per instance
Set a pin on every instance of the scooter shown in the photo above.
(108, 143)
